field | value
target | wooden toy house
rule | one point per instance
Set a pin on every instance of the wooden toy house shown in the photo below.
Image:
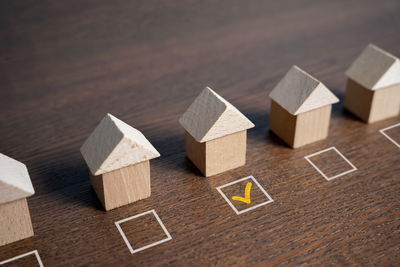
(373, 85)
(300, 108)
(118, 159)
(15, 187)
(215, 133)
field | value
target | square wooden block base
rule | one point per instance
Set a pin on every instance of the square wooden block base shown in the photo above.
(15, 221)
(123, 186)
(302, 129)
(371, 106)
(218, 155)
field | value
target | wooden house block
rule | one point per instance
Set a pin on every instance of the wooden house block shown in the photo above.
(216, 133)
(300, 108)
(118, 159)
(15, 187)
(373, 85)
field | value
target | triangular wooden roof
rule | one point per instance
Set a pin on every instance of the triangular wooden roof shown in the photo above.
(113, 145)
(15, 182)
(299, 92)
(210, 116)
(375, 69)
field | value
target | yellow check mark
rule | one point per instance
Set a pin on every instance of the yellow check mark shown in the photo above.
(246, 198)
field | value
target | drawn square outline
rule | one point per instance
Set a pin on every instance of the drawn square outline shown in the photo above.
(353, 168)
(35, 252)
(117, 224)
(248, 209)
(382, 131)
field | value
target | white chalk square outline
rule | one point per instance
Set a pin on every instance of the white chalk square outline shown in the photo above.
(248, 209)
(387, 136)
(117, 224)
(35, 252)
(353, 168)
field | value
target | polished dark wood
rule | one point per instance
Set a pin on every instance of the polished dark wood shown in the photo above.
(65, 64)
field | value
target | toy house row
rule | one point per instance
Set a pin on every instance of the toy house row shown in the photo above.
(118, 156)
(216, 132)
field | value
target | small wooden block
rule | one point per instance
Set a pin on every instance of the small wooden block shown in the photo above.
(118, 159)
(15, 221)
(372, 105)
(217, 155)
(302, 129)
(123, 186)
(300, 108)
(215, 133)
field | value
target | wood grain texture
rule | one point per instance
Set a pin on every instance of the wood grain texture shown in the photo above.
(65, 64)
(372, 106)
(15, 221)
(302, 129)
(218, 155)
(312, 126)
(385, 103)
(123, 186)
(282, 123)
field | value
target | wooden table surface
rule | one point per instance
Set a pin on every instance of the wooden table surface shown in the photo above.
(65, 64)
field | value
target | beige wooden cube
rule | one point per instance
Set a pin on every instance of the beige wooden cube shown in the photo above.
(218, 155)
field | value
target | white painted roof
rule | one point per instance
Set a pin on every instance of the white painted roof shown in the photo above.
(375, 69)
(299, 92)
(113, 145)
(210, 116)
(15, 182)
